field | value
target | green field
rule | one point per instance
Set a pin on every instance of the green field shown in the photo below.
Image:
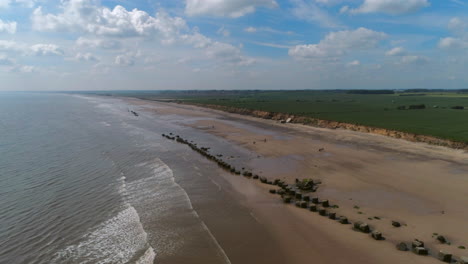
(377, 110)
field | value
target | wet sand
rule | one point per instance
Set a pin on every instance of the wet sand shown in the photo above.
(424, 187)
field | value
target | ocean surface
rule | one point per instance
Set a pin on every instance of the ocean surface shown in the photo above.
(82, 180)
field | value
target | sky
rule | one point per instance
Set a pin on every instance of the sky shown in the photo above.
(232, 44)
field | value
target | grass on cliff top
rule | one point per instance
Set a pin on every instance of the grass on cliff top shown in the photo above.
(377, 110)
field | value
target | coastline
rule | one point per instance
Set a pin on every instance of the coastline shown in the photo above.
(388, 178)
(330, 124)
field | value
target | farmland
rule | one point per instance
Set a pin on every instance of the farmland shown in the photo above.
(397, 111)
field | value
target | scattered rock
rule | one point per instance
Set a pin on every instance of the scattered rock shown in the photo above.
(343, 220)
(273, 191)
(396, 224)
(421, 251)
(463, 260)
(417, 243)
(322, 212)
(365, 228)
(303, 204)
(402, 246)
(315, 200)
(332, 216)
(441, 239)
(377, 235)
(306, 198)
(298, 196)
(298, 204)
(313, 208)
(287, 199)
(445, 257)
(325, 203)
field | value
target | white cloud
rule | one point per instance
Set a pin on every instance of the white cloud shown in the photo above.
(46, 50)
(397, 51)
(452, 43)
(5, 61)
(8, 27)
(339, 43)
(268, 30)
(309, 11)
(98, 43)
(228, 53)
(354, 63)
(86, 57)
(127, 59)
(250, 29)
(88, 17)
(414, 59)
(393, 7)
(228, 8)
(8, 3)
(11, 46)
(223, 31)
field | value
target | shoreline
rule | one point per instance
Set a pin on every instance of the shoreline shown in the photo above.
(330, 124)
(385, 177)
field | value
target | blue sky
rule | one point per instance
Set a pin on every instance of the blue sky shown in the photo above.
(233, 44)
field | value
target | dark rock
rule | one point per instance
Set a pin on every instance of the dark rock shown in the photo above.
(263, 180)
(313, 208)
(306, 198)
(287, 199)
(255, 176)
(421, 251)
(298, 204)
(325, 203)
(357, 224)
(441, 239)
(298, 196)
(376, 235)
(273, 191)
(445, 257)
(332, 216)
(304, 204)
(417, 243)
(396, 224)
(315, 200)
(343, 220)
(365, 228)
(322, 212)
(463, 260)
(402, 246)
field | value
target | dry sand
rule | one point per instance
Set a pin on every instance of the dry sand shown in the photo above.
(424, 187)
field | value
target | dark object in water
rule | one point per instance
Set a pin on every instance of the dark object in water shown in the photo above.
(134, 113)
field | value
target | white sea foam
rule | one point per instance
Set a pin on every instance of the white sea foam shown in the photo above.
(114, 241)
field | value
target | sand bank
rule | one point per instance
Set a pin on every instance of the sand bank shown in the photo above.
(372, 178)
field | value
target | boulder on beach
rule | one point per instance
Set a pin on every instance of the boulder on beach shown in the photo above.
(463, 260)
(306, 198)
(304, 204)
(343, 220)
(332, 216)
(325, 203)
(313, 208)
(417, 243)
(402, 246)
(396, 224)
(445, 257)
(298, 196)
(272, 191)
(322, 212)
(376, 235)
(365, 228)
(287, 199)
(315, 200)
(421, 251)
(441, 239)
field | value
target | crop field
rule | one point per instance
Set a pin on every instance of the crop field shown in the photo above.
(427, 113)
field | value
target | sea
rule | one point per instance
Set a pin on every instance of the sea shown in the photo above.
(83, 180)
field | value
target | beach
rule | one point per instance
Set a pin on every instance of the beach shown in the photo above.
(372, 178)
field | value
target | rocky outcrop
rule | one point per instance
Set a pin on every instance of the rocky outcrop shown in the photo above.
(340, 125)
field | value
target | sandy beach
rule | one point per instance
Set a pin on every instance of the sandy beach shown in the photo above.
(371, 178)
